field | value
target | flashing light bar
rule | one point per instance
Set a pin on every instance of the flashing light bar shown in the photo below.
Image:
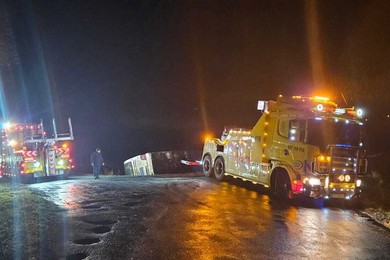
(321, 98)
(341, 111)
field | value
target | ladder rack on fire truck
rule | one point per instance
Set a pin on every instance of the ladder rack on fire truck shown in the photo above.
(57, 137)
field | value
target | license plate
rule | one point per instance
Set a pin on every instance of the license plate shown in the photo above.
(338, 196)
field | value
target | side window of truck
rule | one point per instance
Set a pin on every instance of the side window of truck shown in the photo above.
(283, 128)
(297, 130)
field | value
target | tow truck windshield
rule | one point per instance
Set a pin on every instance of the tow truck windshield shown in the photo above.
(325, 132)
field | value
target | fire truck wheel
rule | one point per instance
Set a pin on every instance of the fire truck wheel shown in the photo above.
(207, 169)
(219, 169)
(280, 185)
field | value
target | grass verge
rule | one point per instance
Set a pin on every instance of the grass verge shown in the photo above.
(28, 227)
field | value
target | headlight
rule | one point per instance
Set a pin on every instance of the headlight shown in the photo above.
(322, 163)
(36, 164)
(61, 162)
(347, 178)
(359, 112)
(12, 143)
(341, 178)
(358, 183)
(314, 181)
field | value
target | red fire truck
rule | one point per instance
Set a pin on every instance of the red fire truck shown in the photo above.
(28, 154)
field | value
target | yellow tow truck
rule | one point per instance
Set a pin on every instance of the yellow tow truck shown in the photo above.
(299, 146)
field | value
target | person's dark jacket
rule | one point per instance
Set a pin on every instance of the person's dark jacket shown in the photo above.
(97, 159)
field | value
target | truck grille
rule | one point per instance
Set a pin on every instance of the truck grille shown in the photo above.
(343, 166)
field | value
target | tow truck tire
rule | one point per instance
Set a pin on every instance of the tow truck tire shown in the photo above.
(219, 169)
(281, 186)
(207, 169)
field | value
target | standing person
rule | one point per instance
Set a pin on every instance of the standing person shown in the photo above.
(97, 161)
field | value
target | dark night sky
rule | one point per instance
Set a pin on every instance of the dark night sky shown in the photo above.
(139, 76)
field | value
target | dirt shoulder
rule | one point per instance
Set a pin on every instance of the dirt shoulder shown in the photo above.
(381, 216)
(375, 200)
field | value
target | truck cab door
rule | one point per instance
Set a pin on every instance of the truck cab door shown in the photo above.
(296, 148)
(289, 143)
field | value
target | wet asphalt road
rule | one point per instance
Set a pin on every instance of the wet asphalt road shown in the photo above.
(184, 217)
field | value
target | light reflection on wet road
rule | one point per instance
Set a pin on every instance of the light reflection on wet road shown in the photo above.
(199, 218)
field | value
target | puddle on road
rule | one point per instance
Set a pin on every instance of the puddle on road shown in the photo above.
(87, 241)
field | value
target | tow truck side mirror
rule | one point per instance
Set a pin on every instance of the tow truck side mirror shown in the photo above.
(363, 166)
(262, 105)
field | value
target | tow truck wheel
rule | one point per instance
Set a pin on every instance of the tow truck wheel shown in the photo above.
(207, 169)
(280, 185)
(219, 169)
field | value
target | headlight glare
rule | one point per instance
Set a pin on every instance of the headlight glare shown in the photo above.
(327, 182)
(314, 181)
